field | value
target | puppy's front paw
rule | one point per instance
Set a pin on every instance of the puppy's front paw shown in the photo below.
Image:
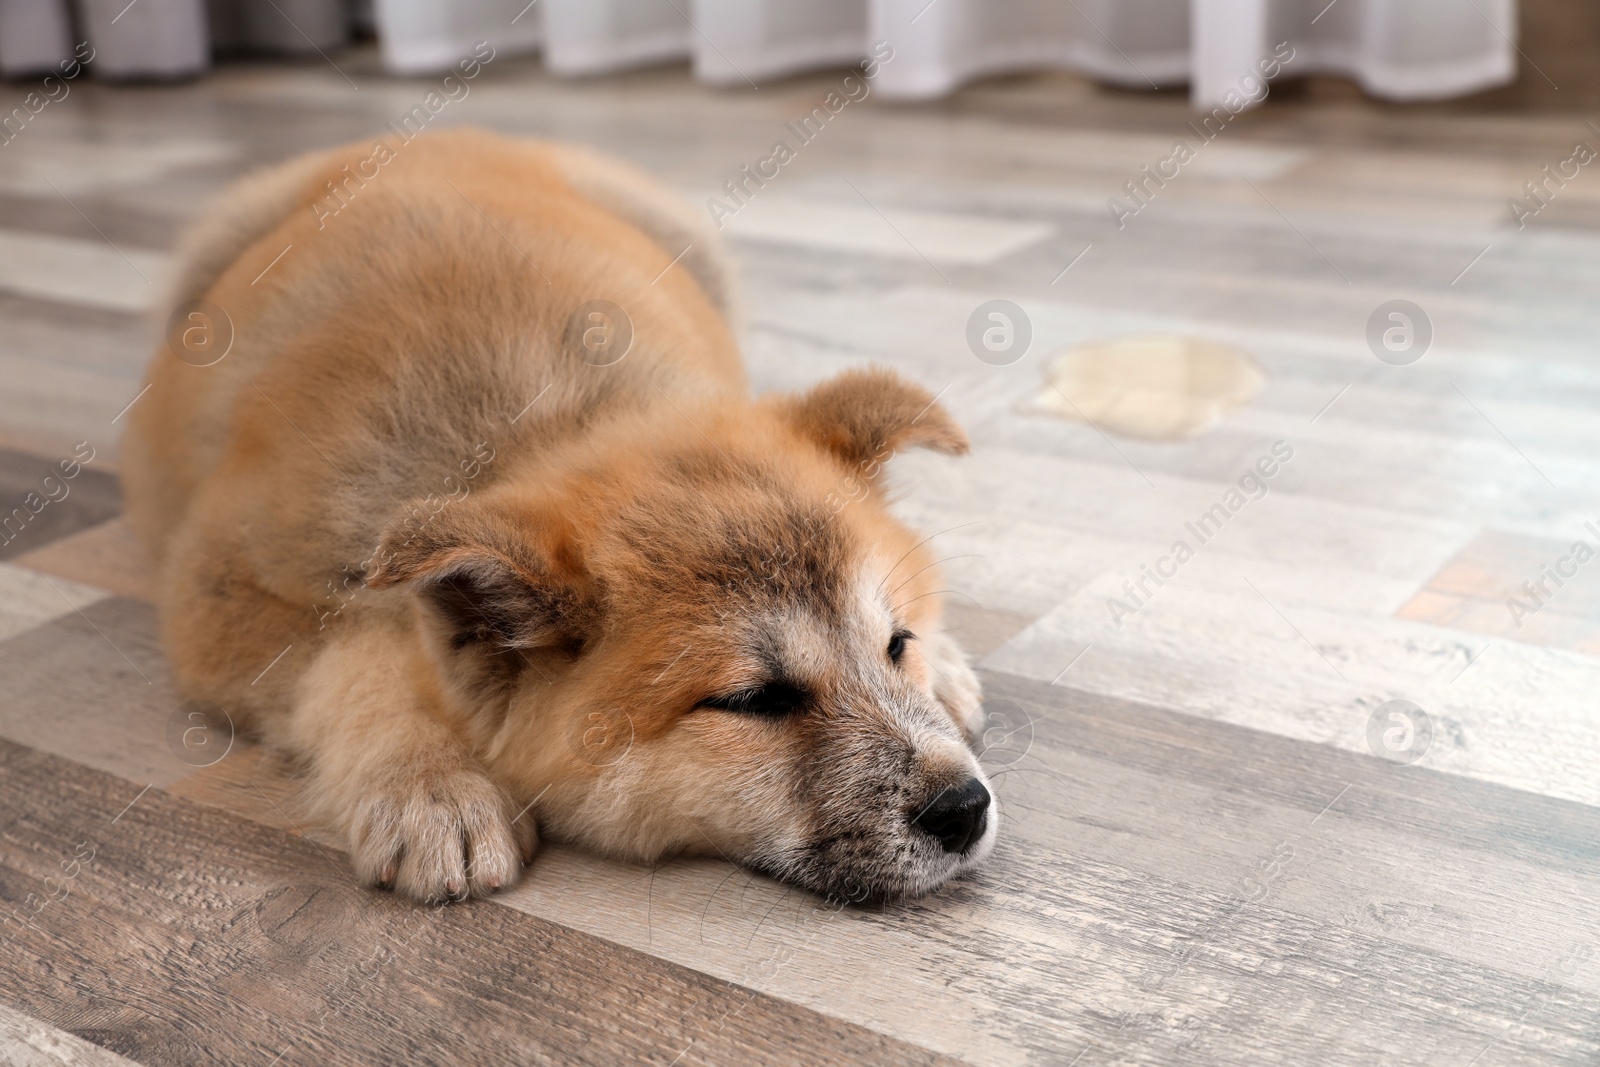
(440, 835)
(954, 684)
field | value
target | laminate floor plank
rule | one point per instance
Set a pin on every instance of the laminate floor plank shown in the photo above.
(27, 1042)
(107, 556)
(29, 600)
(44, 506)
(91, 684)
(170, 932)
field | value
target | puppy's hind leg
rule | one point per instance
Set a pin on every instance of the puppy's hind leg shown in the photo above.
(387, 771)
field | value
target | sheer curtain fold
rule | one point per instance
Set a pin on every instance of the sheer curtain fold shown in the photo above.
(35, 37)
(431, 36)
(739, 42)
(1406, 49)
(600, 36)
(939, 46)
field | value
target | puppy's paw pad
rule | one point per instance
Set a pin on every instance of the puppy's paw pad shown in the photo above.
(441, 836)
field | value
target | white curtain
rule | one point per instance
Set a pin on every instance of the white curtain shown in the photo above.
(597, 36)
(1397, 49)
(739, 41)
(424, 36)
(939, 46)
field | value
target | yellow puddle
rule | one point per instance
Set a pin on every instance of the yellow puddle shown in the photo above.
(1157, 387)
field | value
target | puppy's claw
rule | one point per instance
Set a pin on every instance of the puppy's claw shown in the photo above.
(416, 836)
(526, 831)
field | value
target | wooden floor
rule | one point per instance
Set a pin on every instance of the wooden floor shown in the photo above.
(1219, 846)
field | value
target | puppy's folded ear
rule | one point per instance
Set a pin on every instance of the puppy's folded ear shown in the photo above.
(490, 578)
(865, 416)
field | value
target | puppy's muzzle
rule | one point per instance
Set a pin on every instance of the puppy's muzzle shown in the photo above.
(956, 816)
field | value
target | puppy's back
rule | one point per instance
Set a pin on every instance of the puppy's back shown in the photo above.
(390, 303)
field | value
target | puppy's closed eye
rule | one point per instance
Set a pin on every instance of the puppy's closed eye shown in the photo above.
(774, 700)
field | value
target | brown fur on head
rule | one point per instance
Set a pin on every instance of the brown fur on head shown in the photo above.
(614, 600)
(707, 666)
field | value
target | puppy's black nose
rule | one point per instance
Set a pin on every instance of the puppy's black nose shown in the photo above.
(957, 816)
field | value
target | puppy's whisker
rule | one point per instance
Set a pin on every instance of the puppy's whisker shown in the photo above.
(918, 545)
(787, 890)
(1000, 772)
(935, 563)
(705, 911)
(897, 608)
(1059, 780)
(649, 907)
(744, 890)
(1036, 756)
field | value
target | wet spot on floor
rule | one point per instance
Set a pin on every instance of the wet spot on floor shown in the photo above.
(1159, 387)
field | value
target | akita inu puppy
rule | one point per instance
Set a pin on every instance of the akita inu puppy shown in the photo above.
(458, 495)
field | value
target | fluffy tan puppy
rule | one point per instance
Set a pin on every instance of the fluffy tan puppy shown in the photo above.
(458, 430)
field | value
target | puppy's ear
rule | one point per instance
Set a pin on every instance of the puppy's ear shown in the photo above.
(493, 580)
(865, 416)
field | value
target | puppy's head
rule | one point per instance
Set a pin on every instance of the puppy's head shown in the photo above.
(702, 631)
